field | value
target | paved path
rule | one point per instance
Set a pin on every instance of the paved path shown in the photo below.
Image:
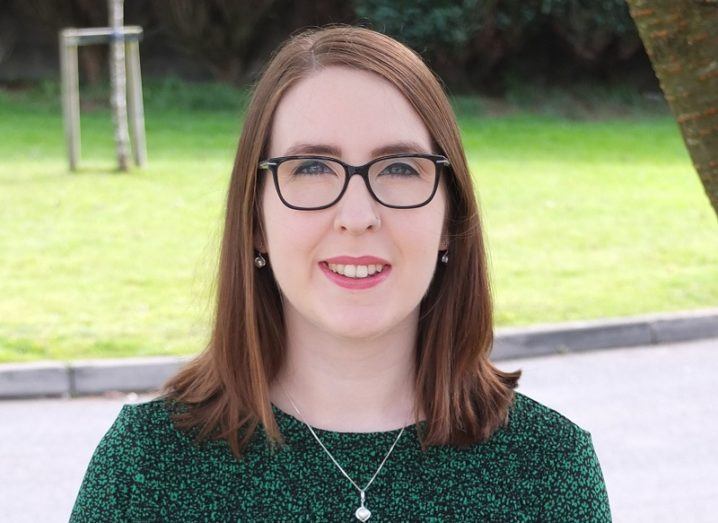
(652, 412)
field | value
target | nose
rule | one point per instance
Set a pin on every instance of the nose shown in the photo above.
(357, 210)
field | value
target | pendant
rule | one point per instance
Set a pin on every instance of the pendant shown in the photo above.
(362, 513)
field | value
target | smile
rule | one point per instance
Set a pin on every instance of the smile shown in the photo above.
(356, 276)
(356, 271)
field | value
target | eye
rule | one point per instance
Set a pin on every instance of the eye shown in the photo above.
(313, 167)
(399, 169)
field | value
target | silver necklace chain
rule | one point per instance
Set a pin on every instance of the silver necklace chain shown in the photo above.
(362, 513)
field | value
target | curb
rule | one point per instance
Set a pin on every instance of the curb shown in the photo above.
(87, 377)
(610, 333)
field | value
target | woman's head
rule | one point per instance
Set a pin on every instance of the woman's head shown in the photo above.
(356, 116)
(358, 91)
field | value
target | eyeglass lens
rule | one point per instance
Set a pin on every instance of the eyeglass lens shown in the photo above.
(311, 182)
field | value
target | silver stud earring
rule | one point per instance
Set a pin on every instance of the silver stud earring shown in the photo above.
(259, 261)
(445, 257)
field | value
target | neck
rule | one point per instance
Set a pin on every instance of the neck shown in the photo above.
(348, 384)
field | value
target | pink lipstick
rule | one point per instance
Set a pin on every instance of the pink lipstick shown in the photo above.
(356, 283)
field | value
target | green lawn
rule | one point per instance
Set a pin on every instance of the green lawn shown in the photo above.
(585, 218)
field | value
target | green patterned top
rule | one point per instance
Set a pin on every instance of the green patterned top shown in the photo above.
(540, 467)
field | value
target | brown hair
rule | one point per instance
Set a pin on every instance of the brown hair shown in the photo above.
(225, 389)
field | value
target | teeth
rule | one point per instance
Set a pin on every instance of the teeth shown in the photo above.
(356, 271)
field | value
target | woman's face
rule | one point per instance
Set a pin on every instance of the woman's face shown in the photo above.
(354, 112)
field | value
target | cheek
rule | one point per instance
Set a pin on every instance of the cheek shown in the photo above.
(421, 229)
(295, 238)
(416, 237)
(291, 235)
(420, 237)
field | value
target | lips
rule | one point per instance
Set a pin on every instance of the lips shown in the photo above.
(355, 283)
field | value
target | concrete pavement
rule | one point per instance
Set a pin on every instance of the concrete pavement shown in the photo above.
(88, 377)
(651, 411)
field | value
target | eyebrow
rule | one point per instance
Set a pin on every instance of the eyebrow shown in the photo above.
(333, 150)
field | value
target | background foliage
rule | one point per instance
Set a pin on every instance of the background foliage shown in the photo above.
(473, 45)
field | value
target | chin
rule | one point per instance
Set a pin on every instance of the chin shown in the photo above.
(357, 326)
(357, 335)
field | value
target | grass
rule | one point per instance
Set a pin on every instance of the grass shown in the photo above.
(586, 215)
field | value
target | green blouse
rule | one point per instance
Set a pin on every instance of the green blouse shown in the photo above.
(540, 467)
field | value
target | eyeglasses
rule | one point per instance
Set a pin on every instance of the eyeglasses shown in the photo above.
(399, 181)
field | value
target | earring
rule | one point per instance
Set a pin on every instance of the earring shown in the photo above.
(445, 257)
(259, 261)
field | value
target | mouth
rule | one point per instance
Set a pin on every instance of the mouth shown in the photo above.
(356, 271)
(356, 276)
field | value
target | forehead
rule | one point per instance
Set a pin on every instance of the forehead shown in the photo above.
(355, 111)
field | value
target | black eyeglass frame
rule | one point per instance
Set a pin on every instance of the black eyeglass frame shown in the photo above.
(272, 164)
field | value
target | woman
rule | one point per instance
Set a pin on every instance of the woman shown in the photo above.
(348, 373)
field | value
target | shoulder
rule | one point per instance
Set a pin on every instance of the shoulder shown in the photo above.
(136, 428)
(138, 423)
(119, 479)
(535, 421)
(150, 426)
(544, 437)
(149, 416)
(563, 461)
(543, 440)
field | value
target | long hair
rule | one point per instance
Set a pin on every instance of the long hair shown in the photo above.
(224, 391)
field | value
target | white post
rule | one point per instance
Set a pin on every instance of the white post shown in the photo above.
(70, 99)
(117, 75)
(135, 104)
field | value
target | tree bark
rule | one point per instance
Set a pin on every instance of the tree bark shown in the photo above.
(681, 39)
(119, 87)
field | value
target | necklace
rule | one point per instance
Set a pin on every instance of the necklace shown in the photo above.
(362, 513)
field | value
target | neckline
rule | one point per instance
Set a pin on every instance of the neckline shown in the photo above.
(295, 425)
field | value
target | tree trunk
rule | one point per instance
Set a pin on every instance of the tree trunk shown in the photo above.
(119, 87)
(681, 39)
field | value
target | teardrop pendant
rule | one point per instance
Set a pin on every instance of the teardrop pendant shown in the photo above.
(362, 513)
